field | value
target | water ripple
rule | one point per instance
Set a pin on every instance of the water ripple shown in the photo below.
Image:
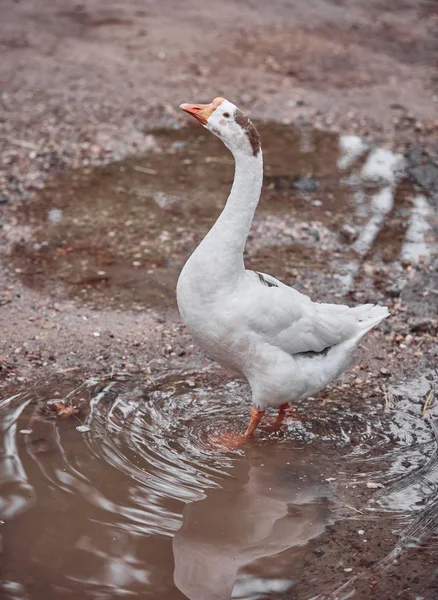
(99, 494)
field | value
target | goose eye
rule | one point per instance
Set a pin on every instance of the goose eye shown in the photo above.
(227, 115)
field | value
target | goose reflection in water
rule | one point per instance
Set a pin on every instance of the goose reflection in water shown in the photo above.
(272, 504)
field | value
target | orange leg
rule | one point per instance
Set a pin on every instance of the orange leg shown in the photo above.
(285, 410)
(255, 418)
(232, 441)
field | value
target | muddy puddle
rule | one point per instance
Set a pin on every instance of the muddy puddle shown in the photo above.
(117, 236)
(126, 497)
(112, 488)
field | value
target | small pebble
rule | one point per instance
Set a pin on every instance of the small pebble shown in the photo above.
(96, 334)
(348, 234)
(83, 428)
(26, 431)
(348, 570)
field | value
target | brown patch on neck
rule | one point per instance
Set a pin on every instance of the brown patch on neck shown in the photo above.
(252, 133)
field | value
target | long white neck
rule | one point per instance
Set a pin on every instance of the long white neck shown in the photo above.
(225, 242)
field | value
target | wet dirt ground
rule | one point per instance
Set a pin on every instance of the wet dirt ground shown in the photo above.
(109, 487)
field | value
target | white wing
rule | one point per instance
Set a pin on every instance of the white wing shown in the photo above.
(290, 320)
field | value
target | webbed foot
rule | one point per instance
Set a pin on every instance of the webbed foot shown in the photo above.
(228, 440)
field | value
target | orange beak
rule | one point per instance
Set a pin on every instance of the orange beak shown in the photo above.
(202, 112)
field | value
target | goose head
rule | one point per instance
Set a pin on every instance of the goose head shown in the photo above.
(225, 120)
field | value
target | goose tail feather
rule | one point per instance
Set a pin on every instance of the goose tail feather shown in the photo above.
(368, 316)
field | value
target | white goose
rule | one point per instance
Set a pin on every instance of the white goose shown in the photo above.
(285, 345)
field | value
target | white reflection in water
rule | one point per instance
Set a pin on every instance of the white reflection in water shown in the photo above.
(384, 168)
(115, 565)
(415, 245)
(267, 508)
(412, 493)
(257, 587)
(381, 204)
(351, 147)
(382, 165)
(16, 494)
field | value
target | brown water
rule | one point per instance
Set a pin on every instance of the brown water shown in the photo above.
(118, 235)
(136, 503)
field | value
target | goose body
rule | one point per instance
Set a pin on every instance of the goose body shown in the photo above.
(287, 346)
